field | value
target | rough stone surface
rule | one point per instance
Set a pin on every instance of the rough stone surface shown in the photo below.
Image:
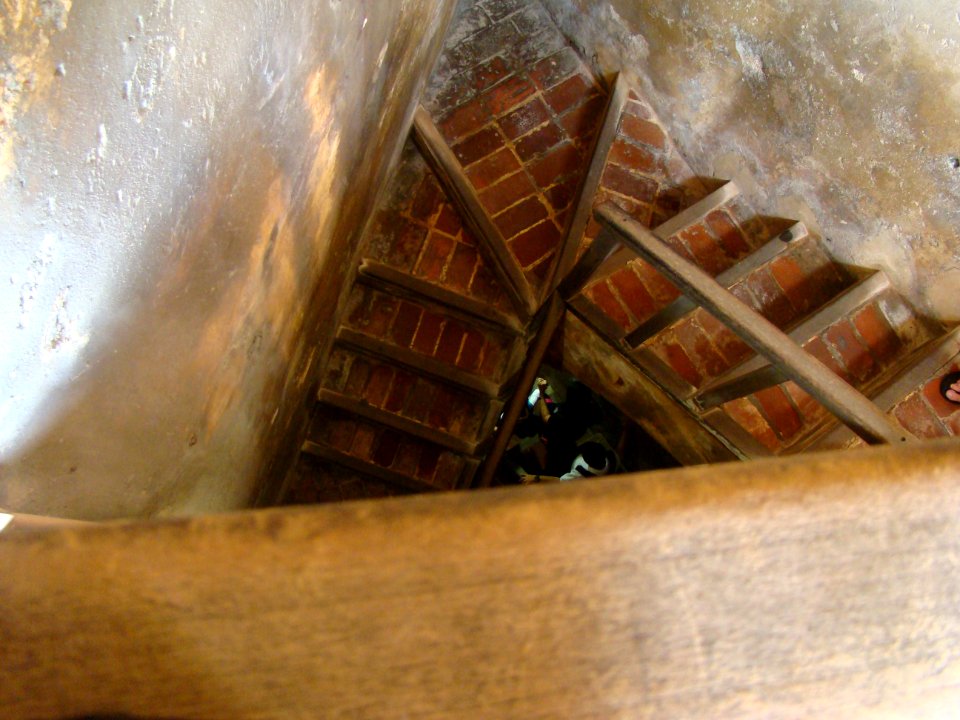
(180, 186)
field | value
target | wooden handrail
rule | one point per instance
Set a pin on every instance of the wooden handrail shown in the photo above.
(844, 401)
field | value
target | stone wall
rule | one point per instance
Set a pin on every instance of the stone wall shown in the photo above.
(182, 188)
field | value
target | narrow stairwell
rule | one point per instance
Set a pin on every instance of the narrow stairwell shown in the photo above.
(488, 239)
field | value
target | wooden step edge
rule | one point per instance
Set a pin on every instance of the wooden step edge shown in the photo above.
(448, 171)
(383, 277)
(693, 214)
(468, 473)
(418, 364)
(764, 337)
(757, 374)
(589, 183)
(396, 422)
(683, 305)
(391, 477)
(913, 371)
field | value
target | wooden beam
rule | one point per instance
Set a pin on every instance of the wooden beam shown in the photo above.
(331, 454)
(461, 192)
(757, 373)
(417, 363)
(681, 221)
(465, 308)
(589, 183)
(552, 314)
(813, 587)
(577, 277)
(397, 422)
(764, 337)
(729, 277)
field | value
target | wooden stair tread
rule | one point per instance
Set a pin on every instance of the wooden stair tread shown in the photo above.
(332, 454)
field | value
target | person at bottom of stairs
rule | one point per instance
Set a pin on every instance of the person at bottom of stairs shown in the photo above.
(594, 460)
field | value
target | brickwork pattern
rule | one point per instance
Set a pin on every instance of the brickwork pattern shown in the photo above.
(380, 446)
(407, 324)
(863, 349)
(317, 481)
(419, 232)
(405, 394)
(519, 108)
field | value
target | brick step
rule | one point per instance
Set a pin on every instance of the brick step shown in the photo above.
(420, 233)
(785, 290)
(394, 457)
(407, 401)
(912, 397)
(420, 336)
(321, 481)
(866, 348)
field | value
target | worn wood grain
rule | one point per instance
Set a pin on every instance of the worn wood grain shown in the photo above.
(822, 586)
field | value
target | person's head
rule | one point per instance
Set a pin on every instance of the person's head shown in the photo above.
(594, 454)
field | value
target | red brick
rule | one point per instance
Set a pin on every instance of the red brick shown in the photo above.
(462, 266)
(387, 446)
(520, 217)
(477, 146)
(487, 74)
(428, 333)
(818, 349)
(404, 240)
(339, 433)
(491, 169)
(634, 158)
(507, 95)
(781, 415)
(854, 354)
(363, 441)
(743, 412)
(696, 343)
(940, 405)
(602, 296)
(524, 119)
(421, 400)
(378, 386)
(539, 141)
(441, 414)
(916, 417)
(408, 456)
(373, 314)
(728, 234)
(469, 358)
(637, 109)
(705, 250)
(449, 346)
(530, 246)
(676, 357)
(643, 131)
(402, 384)
(357, 379)
(429, 456)
(807, 276)
(433, 259)
(725, 340)
(571, 92)
(622, 181)
(464, 120)
(448, 470)
(550, 71)
(507, 192)
(555, 165)
(811, 411)
(771, 302)
(670, 200)
(427, 199)
(633, 293)
(485, 286)
(448, 221)
(405, 324)
(561, 195)
(490, 364)
(467, 239)
(661, 289)
(880, 337)
(581, 122)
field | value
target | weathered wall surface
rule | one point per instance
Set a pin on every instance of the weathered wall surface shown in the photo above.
(181, 189)
(842, 112)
